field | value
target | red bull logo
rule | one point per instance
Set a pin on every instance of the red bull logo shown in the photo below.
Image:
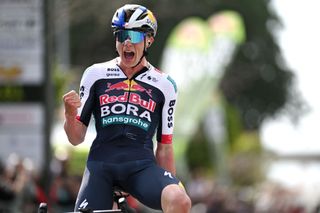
(132, 98)
(128, 85)
(123, 85)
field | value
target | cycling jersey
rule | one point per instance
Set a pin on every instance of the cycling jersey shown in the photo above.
(127, 112)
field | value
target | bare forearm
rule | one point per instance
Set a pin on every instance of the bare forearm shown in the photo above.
(75, 130)
(165, 157)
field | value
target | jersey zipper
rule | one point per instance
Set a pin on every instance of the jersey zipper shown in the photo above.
(128, 134)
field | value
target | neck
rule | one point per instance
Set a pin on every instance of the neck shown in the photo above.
(130, 71)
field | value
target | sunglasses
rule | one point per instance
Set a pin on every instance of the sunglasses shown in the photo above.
(134, 36)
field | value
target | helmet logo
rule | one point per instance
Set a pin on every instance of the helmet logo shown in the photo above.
(152, 20)
(151, 16)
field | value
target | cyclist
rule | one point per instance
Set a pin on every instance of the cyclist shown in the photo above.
(130, 101)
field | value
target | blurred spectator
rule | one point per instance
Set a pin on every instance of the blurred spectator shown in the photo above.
(20, 188)
(64, 188)
(7, 193)
(199, 187)
(34, 194)
(12, 183)
(273, 197)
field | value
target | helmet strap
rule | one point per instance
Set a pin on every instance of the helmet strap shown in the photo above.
(116, 48)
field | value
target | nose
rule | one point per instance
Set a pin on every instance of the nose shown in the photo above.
(127, 42)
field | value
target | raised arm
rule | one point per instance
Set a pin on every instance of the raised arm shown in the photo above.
(74, 129)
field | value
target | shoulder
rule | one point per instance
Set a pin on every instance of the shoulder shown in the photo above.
(104, 66)
(163, 80)
(108, 69)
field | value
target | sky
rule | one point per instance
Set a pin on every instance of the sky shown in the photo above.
(299, 40)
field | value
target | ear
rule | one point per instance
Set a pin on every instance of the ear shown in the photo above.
(150, 40)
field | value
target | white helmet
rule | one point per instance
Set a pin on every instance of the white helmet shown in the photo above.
(136, 17)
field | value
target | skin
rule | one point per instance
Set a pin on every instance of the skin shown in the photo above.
(174, 198)
(127, 64)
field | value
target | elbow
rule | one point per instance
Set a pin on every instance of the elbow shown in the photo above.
(75, 142)
(75, 133)
(75, 138)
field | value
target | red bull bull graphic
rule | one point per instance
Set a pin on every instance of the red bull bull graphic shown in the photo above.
(123, 85)
(128, 85)
(137, 87)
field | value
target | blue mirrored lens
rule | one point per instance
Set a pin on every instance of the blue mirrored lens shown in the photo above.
(134, 36)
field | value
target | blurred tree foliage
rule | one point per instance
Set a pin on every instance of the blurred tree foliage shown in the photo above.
(199, 153)
(257, 81)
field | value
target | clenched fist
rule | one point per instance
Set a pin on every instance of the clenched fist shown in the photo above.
(71, 103)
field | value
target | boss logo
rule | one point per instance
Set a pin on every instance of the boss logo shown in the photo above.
(113, 69)
(170, 113)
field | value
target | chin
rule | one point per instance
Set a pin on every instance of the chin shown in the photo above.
(130, 63)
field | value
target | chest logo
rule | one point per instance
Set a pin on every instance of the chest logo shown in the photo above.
(128, 85)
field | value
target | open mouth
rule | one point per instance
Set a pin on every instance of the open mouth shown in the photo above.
(128, 55)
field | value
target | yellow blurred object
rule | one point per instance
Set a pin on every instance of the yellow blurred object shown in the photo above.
(9, 73)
